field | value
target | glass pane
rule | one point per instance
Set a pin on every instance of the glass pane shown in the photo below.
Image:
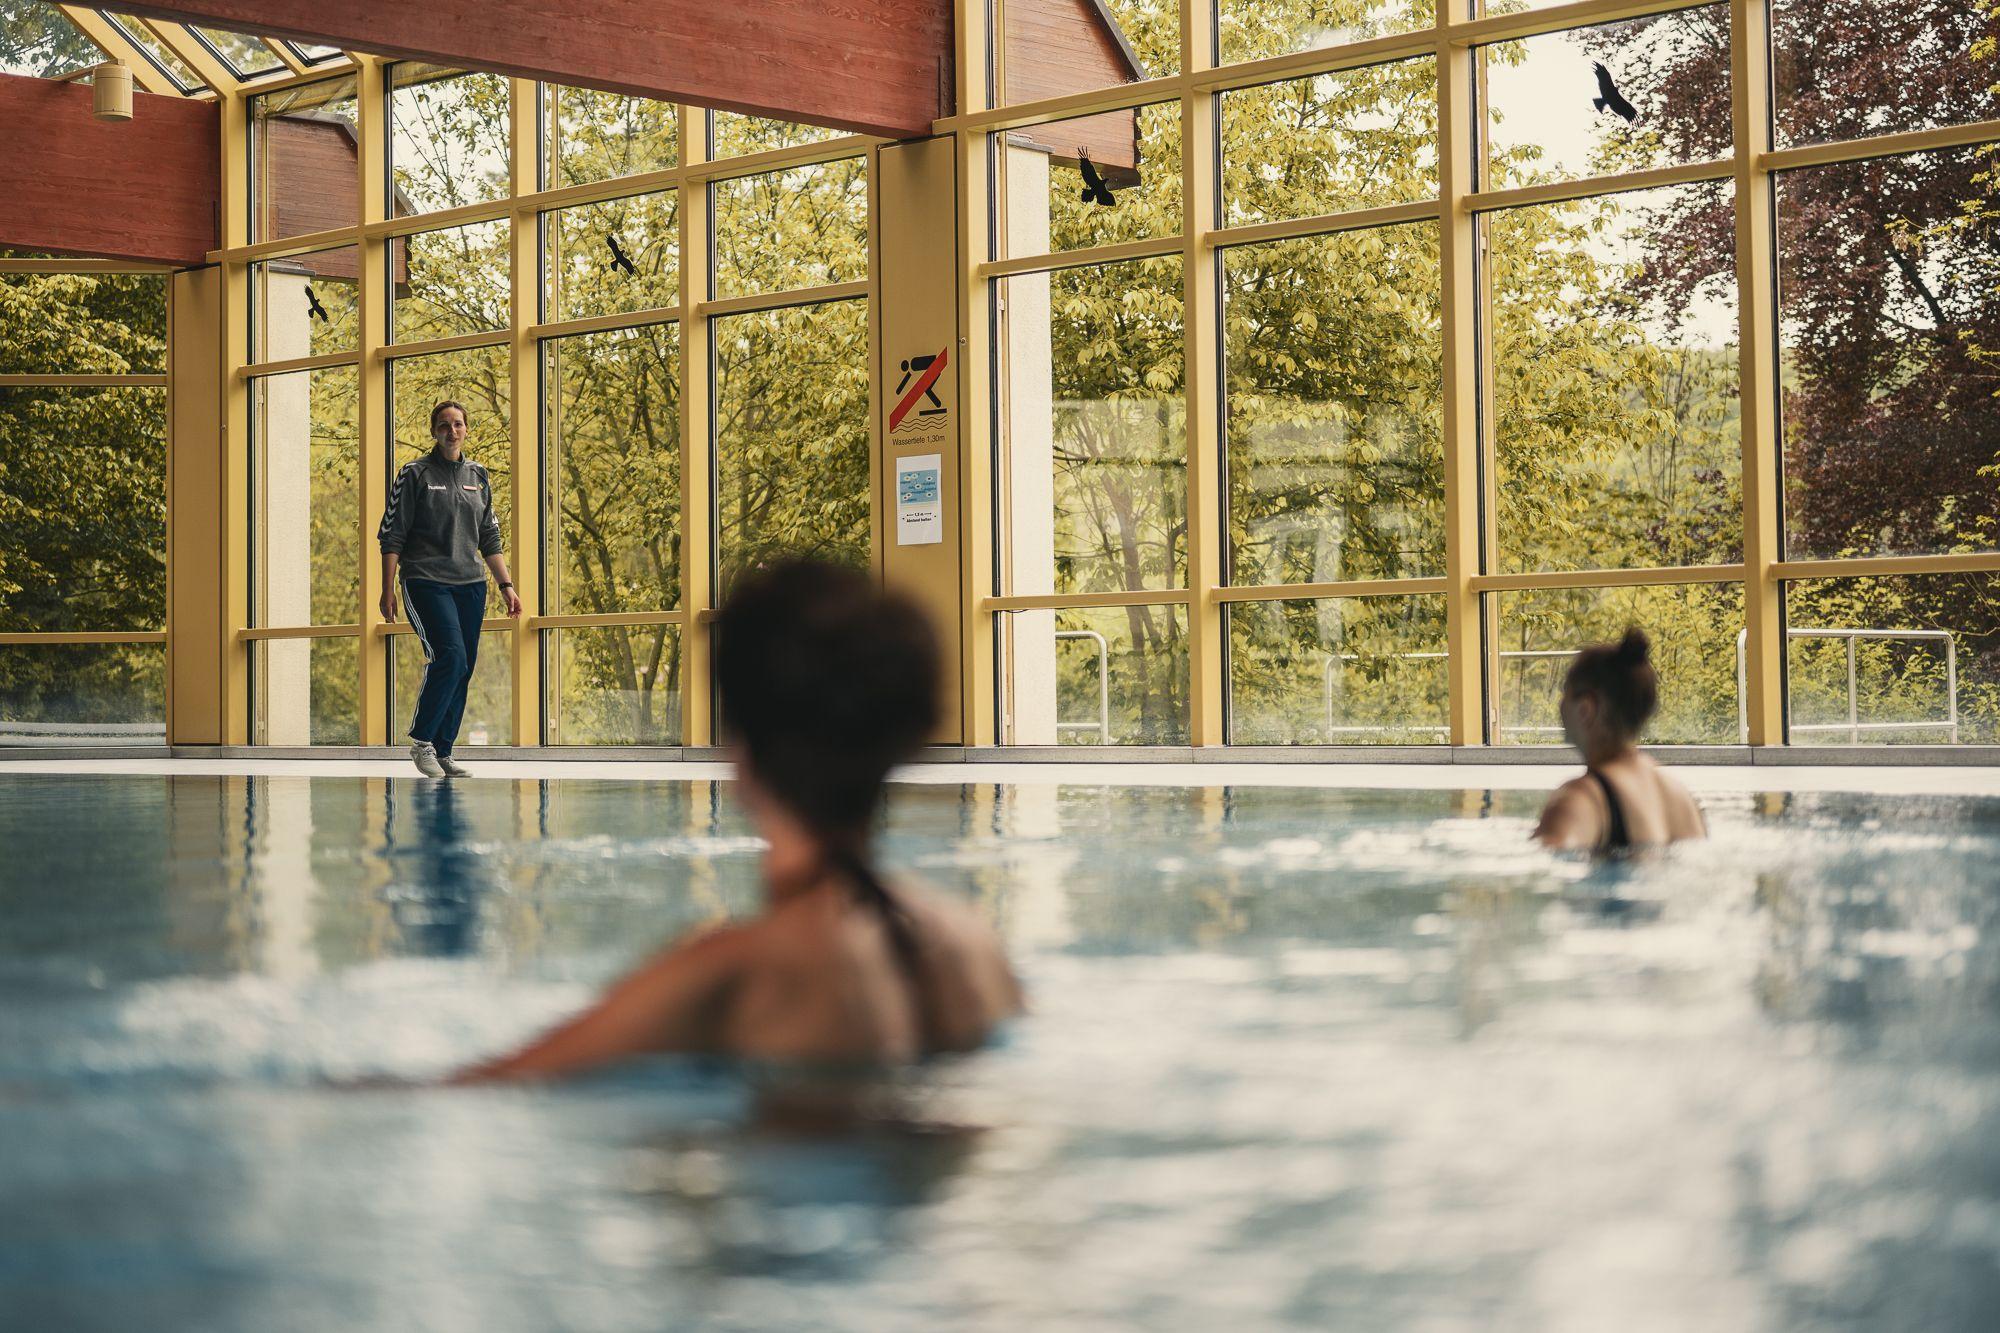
(1338, 671)
(1695, 628)
(1094, 676)
(1334, 367)
(305, 498)
(83, 524)
(305, 691)
(807, 227)
(451, 282)
(305, 173)
(612, 484)
(83, 694)
(1051, 50)
(734, 135)
(489, 699)
(450, 142)
(1879, 67)
(37, 42)
(245, 54)
(1615, 381)
(1254, 29)
(313, 53)
(1670, 72)
(305, 306)
(172, 65)
(1889, 291)
(791, 403)
(1897, 660)
(83, 324)
(1093, 453)
(615, 685)
(1096, 180)
(596, 136)
(478, 379)
(1360, 138)
(614, 257)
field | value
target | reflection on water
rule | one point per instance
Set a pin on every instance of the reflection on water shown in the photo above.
(1298, 1058)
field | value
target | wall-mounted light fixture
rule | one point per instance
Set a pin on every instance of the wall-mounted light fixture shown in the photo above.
(111, 91)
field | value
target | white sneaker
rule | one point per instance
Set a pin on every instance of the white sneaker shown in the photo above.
(425, 756)
(452, 768)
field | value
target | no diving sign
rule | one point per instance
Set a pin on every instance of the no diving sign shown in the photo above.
(921, 415)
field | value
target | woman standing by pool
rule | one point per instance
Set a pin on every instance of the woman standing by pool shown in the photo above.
(440, 536)
(827, 683)
(1623, 801)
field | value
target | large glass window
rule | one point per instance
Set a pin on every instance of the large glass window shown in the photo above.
(804, 227)
(732, 135)
(614, 257)
(1648, 92)
(791, 403)
(1615, 375)
(450, 140)
(615, 685)
(1337, 671)
(451, 282)
(38, 42)
(1889, 298)
(1093, 676)
(305, 306)
(1254, 29)
(1358, 138)
(305, 691)
(83, 506)
(612, 484)
(1099, 180)
(1887, 660)
(1694, 627)
(1092, 473)
(83, 324)
(598, 136)
(1335, 374)
(305, 165)
(83, 694)
(305, 488)
(1871, 67)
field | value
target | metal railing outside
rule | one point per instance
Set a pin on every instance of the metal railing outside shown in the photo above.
(1854, 726)
(1103, 724)
(1334, 728)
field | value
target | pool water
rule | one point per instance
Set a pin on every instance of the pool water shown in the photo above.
(1297, 1059)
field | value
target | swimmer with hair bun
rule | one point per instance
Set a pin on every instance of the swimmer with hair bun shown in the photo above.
(1624, 802)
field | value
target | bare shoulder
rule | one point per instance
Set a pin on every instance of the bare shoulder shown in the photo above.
(1570, 818)
(1684, 814)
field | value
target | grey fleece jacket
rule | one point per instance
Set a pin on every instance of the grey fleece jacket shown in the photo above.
(440, 520)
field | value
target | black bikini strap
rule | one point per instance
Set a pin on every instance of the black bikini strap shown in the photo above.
(872, 893)
(1618, 837)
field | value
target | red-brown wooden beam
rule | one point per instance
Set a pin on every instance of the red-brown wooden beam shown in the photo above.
(144, 189)
(879, 67)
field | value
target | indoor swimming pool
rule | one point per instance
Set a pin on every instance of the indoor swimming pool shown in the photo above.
(1296, 1059)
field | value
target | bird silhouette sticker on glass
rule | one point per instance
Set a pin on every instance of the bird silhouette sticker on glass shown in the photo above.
(1608, 97)
(1094, 191)
(618, 256)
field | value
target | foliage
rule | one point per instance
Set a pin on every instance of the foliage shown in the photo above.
(82, 499)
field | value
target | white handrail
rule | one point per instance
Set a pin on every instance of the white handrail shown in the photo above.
(1103, 724)
(1854, 726)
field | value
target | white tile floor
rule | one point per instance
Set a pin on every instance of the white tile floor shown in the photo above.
(1939, 781)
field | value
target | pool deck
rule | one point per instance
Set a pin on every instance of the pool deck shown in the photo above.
(1900, 779)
